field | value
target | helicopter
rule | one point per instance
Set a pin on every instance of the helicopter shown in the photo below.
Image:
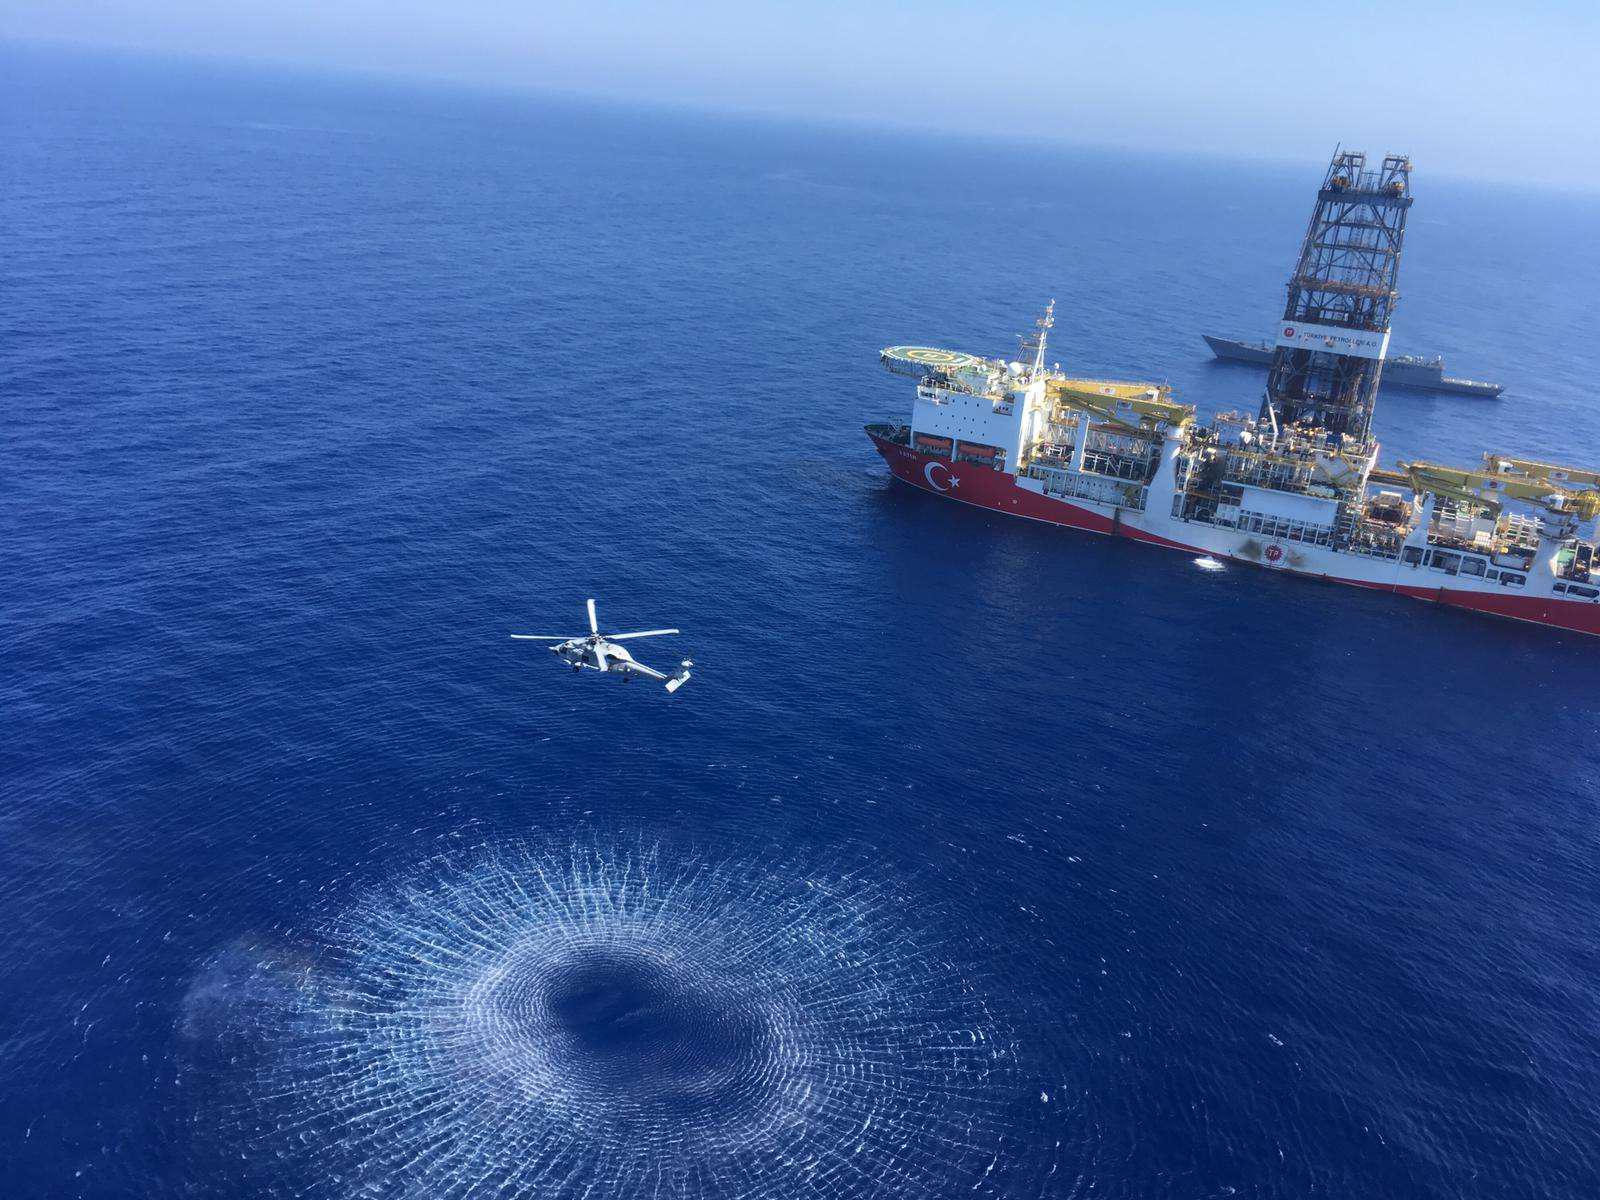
(600, 652)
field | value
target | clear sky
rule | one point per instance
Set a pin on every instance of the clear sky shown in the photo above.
(1494, 90)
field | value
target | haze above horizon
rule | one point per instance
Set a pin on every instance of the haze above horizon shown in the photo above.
(1469, 88)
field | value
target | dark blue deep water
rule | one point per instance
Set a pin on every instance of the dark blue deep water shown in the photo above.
(978, 858)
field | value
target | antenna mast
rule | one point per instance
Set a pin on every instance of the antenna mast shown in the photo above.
(1034, 343)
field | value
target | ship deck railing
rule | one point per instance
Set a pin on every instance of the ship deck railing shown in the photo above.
(1096, 465)
(1110, 466)
(927, 387)
(1083, 485)
(898, 434)
(1387, 551)
(1518, 553)
(1346, 287)
(1266, 525)
(1296, 482)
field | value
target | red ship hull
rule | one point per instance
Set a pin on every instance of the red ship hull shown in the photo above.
(985, 487)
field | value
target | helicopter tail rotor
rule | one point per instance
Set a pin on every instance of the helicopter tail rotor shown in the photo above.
(681, 678)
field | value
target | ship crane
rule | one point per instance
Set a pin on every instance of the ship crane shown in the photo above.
(1133, 406)
(1574, 478)
(1492, 489)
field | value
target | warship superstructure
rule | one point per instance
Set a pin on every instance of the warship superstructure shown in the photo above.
(1403, 370)
(1295, 486)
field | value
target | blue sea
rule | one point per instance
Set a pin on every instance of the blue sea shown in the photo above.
(977, 859)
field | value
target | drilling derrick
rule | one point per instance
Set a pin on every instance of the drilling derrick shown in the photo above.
(1329, 350)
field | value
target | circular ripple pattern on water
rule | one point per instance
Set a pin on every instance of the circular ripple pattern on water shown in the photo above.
(634, 1024)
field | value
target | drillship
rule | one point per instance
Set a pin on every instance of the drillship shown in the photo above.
(1297, 486)
(1404, 370)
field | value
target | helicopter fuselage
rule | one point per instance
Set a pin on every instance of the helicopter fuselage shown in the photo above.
(600, 652)
(596, 654)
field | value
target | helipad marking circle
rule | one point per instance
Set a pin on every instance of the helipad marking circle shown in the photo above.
(930, 356)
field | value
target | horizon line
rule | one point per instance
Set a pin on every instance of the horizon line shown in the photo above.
(272, 64)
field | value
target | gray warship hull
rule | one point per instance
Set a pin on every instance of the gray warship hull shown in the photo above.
(1399, 370)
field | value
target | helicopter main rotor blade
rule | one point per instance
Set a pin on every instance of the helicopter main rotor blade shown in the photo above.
(539, 637)
(621, 637)
(594, 626)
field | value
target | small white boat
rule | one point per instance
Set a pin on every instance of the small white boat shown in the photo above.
(1207, 563)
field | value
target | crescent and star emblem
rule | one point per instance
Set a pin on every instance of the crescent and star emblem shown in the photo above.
(933, 482)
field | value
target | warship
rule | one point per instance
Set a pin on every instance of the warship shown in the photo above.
(1401, 370)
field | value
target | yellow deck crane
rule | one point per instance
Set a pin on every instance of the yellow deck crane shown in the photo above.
(1133, 406)
(1492, 487)
(1570, 478)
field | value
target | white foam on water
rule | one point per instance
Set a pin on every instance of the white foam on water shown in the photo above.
(767, 1028)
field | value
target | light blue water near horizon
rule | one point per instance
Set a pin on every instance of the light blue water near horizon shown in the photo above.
(315, 389)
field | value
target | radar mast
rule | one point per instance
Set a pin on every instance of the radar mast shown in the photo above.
(1033, 344)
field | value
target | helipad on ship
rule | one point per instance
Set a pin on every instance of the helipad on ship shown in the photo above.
(930, 356)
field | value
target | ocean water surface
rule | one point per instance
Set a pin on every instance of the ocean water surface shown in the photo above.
(978, 858)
